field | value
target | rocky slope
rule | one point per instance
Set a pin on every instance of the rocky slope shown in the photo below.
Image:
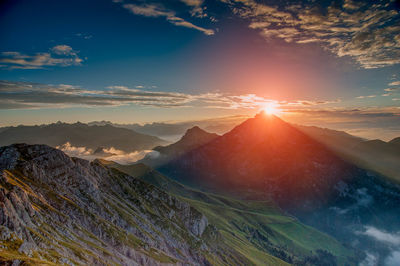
(60, 210)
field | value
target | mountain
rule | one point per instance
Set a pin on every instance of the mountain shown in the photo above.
(266, 158)
(55, 209)
(396, 142)
(173, 131)
(334, 138)
(253, 225)
(267, 155)
(376, 155)
(192, 139)
(80, 135)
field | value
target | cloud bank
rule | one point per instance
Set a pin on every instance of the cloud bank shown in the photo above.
(110, 154)
(26, 95)
(367, 32)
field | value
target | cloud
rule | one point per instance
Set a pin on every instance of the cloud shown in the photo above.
(128, 158)
(392, 89)
(366, 32)
(370, 260)
(34, 95)
(81, 152)
(197, 9)
(84, 36)
(392, 240)
(110, 154)
(368, 96)
(155, 10)
(393, 259)
(17, 95)
(63, 50)
(59, 55)
(382, 236)
(394, 83)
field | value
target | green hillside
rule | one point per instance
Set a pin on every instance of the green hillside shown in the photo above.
(256, 229)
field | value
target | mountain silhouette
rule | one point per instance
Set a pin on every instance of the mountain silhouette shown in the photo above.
(267, 156)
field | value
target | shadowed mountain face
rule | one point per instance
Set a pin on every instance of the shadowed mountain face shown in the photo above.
(396, 142)
(268, 157)
(265, 157)
(193, 138)
(80, 135)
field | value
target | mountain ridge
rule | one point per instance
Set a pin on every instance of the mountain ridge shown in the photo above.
(58, 209)
(80, 135)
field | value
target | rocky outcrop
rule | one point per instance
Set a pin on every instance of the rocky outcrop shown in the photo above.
(66, 210)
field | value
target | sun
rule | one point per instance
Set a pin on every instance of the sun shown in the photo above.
(271, 109)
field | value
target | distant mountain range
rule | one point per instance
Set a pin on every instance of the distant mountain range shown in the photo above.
(173, 131)
(376, 155)
(80, 135)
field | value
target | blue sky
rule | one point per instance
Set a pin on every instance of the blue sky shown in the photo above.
(143, 61)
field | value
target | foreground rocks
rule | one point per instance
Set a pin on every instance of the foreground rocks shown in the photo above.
(57, 209)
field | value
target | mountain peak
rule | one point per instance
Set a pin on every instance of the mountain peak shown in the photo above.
(193, 138)
(262, 116)
(195, 131)
(196, 135)
(261, 126)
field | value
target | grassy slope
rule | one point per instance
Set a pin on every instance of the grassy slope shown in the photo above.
(253, 228)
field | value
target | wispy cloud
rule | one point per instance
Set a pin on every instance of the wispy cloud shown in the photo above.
(367, 96)
(382, 236)
(392, 89)
(156, 10)
(366, 32)
(59, 55)
(197, 8)
(17, 95)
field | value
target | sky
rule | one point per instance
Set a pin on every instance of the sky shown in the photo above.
(329, 63)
